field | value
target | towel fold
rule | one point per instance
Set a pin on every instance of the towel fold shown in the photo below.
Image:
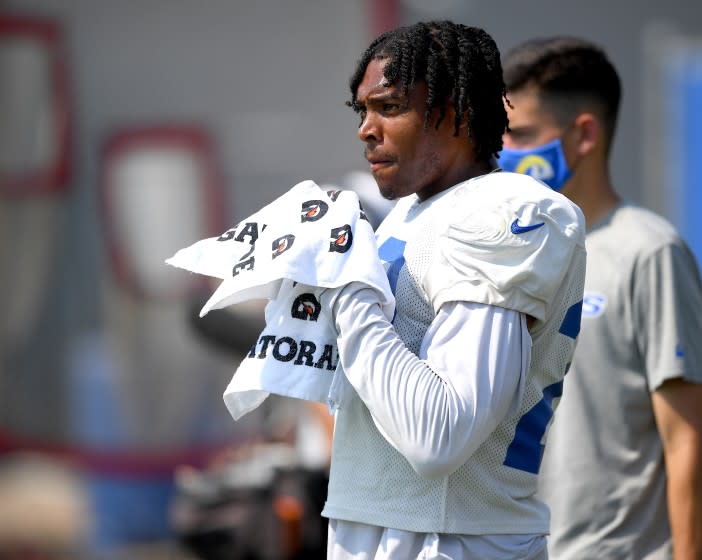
(291, 252)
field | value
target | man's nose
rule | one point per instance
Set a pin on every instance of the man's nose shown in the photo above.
(370, 130)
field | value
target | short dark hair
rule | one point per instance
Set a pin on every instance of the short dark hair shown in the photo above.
(569, 74)
(459, 64)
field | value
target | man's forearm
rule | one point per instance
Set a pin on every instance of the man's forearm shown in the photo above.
(684, 468)
(676, 405)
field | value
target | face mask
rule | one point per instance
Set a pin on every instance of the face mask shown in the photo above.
(546, 163)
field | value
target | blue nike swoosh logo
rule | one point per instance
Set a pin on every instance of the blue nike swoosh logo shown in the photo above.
(516, 229)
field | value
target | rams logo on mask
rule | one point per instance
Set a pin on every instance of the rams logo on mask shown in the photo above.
(536, 166)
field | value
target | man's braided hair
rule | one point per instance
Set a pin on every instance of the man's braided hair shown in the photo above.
(459, 64)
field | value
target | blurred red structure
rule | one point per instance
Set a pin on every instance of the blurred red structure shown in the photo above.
(34, 120)
(134, 165)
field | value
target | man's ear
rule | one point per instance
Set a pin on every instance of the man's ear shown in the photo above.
(588, 133)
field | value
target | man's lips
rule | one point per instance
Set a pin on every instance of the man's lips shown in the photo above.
(379, 161)
(378, 165)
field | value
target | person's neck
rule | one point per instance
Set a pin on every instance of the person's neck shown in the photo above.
(594, 193)
(476, 169)
(458, 175)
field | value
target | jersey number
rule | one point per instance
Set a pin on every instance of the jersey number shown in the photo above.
(526, 450)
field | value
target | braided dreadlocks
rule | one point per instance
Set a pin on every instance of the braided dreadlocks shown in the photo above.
(459, 64)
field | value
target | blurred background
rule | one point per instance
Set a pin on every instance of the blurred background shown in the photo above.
(131, 129)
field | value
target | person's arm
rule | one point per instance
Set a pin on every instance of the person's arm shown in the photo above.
(667, 308)
(437, 411)
(677, 406)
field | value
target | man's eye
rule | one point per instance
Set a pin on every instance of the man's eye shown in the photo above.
(390, 107)
(362, 114)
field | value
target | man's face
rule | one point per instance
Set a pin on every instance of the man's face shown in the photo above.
(404, 157)
(541, 142)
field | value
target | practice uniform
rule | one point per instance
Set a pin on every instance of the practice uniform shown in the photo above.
(438, 449)
(603, 473)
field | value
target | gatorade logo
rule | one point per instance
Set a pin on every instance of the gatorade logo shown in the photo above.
(282, 244)
(341, 239)
(306, 307)
(334, 194)
(313, 210)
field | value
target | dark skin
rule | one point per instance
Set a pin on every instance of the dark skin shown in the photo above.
(405, 156)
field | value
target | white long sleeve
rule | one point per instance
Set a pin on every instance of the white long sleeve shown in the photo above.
(438, 408)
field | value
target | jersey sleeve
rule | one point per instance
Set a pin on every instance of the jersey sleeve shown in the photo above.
(508, 253)
(668, 317)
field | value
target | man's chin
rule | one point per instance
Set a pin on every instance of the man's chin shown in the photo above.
(387, 192)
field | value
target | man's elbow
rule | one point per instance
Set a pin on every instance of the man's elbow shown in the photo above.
(442, 454)
(433, 465)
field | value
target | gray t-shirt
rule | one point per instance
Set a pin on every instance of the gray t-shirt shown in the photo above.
(603, 473)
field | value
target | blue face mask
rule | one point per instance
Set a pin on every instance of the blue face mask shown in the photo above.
(546, 163)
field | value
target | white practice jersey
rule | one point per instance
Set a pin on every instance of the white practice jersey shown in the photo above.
(504, 240)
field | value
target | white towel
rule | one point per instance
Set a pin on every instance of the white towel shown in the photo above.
(290, 251)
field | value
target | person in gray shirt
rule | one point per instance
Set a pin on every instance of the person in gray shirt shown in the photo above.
(622, 469)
